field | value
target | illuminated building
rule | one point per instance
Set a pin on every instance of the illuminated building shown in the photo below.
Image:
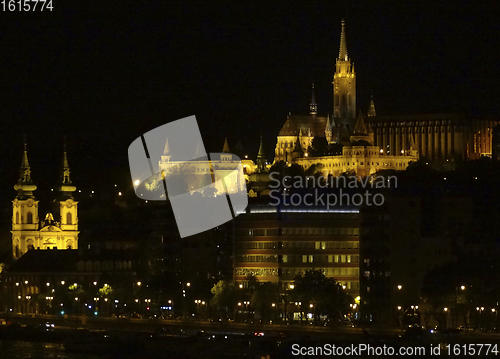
(198, 174)
(275, 244)
(28, 231)
(366, 146)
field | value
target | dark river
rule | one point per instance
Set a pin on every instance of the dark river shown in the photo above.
(10, 349)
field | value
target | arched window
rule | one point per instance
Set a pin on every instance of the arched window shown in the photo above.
(29, 218)
(17, 251)
(17, 217)
(69, 219)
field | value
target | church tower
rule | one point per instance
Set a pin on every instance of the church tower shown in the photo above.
(24, 210)
(344, 87)
(68, 207)
(28, 232)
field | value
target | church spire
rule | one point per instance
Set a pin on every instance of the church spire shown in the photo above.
(360, 128)
(328, 130)
(166, 149)
(66, 184)
(25, 186)
(343, 47)
(225, 149)
(166, 156)
(371, 109)
(65, 174)
(261, 158)
(313, 108)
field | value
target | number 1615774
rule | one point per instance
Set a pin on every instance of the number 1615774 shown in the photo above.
(26, 5)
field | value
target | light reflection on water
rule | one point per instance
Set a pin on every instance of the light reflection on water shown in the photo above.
(33, 350)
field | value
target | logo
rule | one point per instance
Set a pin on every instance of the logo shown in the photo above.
(170, 162)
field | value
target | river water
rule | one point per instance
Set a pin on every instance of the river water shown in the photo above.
(10, 349)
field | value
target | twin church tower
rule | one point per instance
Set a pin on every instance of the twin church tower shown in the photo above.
(58, 229)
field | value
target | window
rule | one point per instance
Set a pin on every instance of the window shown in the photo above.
(29, 218)
(285, 258)
(320, 245)
(17, 217)
(304, 259)
(310, 258)
(330, 258)
(69, 219)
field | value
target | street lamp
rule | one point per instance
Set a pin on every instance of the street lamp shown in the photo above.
(455, 310)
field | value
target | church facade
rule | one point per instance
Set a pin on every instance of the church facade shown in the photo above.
(367, 144)
(28, 231)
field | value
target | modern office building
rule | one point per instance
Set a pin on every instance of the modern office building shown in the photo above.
(275, 244)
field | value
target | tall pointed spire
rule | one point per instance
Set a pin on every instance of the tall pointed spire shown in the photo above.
(371, 109)
(66, 184)
(343, 46)
(360, 128)
(261, 158)
(25, 186)
(25, 172)
(166, 156)
(166, 149)
(225, 149)
(65, 174)
(328, 130)
(313, 108)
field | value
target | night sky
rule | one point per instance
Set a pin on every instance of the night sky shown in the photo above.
(104, 72)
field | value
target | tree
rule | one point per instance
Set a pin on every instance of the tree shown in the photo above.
(264, 296)
(224, 297)
(320, 294)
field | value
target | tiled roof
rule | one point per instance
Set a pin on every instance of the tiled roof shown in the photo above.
(295, 123)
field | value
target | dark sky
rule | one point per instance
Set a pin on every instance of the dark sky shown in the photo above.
(103, 72)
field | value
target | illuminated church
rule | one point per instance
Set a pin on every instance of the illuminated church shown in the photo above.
(367, 144)
(28, 231)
